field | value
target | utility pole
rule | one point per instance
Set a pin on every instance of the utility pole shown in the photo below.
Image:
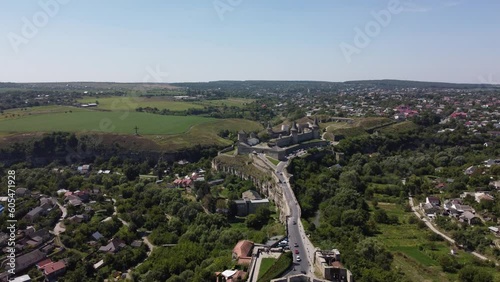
(136, 129)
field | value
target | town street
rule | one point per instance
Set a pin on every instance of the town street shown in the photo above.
(294, 227)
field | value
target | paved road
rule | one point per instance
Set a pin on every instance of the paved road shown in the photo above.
(295, 229)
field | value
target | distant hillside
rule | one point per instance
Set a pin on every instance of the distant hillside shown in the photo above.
(418, 84)
(269, 84)
(242, 86)
(85, 86)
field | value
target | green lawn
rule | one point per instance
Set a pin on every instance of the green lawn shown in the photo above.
(106, 122)
(273, 161)
(265, 265)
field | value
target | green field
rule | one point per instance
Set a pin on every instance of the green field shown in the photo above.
(128, 103)
(358, 127)
(265, 265)
(416, 254)
(105, 122)
(18, 113)
(230, 102)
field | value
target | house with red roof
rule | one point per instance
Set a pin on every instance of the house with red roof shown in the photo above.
(242, 252)
(53, 270)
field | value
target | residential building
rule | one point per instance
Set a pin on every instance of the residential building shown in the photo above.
(470, 218)
(242, 252)
(433, 200)
(329, 265)
(113, 246)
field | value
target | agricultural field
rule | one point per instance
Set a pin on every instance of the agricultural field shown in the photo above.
(415, 254)
(156, 132)
(229, 102)
(105, 122)
(129, 103)
(25, 112)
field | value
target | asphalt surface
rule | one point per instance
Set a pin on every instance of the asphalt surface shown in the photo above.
(294, 235)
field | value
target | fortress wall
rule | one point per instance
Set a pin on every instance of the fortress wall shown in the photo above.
(265, 183)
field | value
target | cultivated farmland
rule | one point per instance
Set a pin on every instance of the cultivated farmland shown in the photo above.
(105, 122)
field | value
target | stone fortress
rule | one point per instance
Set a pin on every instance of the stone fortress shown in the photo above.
(283, 142)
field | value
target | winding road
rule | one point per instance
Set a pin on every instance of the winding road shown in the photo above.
(59, 228)
(295, 229)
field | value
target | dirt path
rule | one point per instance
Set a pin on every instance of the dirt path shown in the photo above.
(434, 229)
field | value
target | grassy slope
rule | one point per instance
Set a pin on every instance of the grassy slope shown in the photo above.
(265, 265)
(359, 126)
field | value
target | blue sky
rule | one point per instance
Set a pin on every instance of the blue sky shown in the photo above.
(119, 40)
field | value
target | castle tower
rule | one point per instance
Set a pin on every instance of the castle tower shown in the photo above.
(294, 133)
(270, 130)
(316, 129)
(242, 136)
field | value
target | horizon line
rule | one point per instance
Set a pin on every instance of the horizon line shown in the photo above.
(248, 80)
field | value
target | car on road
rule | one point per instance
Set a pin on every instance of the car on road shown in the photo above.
(295, 245)
(298, 258)
(294, 222)
(296, 251)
